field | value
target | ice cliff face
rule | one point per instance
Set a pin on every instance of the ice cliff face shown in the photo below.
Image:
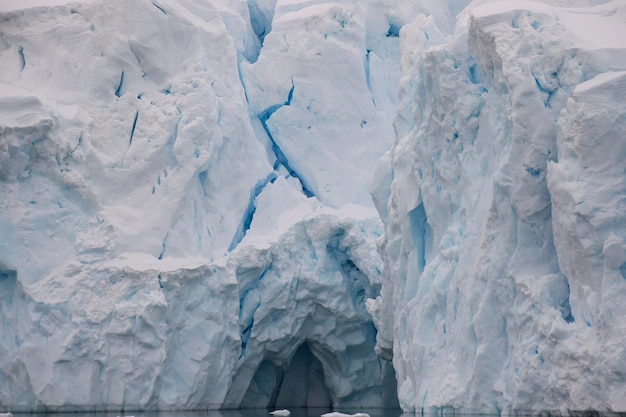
(503, 200)
(136, 332)
(184, 214)
(185, 219)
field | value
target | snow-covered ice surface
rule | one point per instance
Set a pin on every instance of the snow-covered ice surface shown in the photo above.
(185, 220)
(503, 198)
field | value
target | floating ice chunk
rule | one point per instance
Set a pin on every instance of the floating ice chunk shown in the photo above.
(338, 414)
(284, 412)
(6, 415)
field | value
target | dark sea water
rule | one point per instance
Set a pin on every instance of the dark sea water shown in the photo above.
(317, 412)
(295, 412)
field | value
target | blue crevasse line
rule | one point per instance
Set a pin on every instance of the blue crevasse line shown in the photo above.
(368, 81)
(565, 307)
(247, 325)
(163, 247)
(356, 287)
(549, 93)
(261, 24)
(264, 116)
(473, 76)
(245, 337)
(203, 179)
(246, 329)
(160, 8)
(240, 75)
(290, 94)
(267, 113)
(281, 158)
(253, 286)
(366, 66)
(248, 214)
(132, 129)
(120, 85)
(20, 51)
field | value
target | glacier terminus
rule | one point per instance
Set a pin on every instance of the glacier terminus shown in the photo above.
(211, 204)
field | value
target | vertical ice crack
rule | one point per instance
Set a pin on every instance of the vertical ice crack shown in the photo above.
(132, 129)
(547, 91)
(247, 310)
(163, 247)
(248, 214)
(368, 81)
(132, 133)
(261, 25)
(161, 9)
(20, 52)
(120, 85)
(281, 157)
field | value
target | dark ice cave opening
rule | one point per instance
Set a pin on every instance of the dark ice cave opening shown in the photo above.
(301, 383)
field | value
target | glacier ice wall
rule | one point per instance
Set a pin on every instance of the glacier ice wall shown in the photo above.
(136, 332)
(503, 201)
(185, 220)
(183, 213)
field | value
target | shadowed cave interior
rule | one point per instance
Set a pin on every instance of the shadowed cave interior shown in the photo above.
(300, 384)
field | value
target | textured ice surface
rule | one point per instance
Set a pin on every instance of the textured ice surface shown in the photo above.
(138, 332)
(185, 220)
(504, 246)
(172, 233)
